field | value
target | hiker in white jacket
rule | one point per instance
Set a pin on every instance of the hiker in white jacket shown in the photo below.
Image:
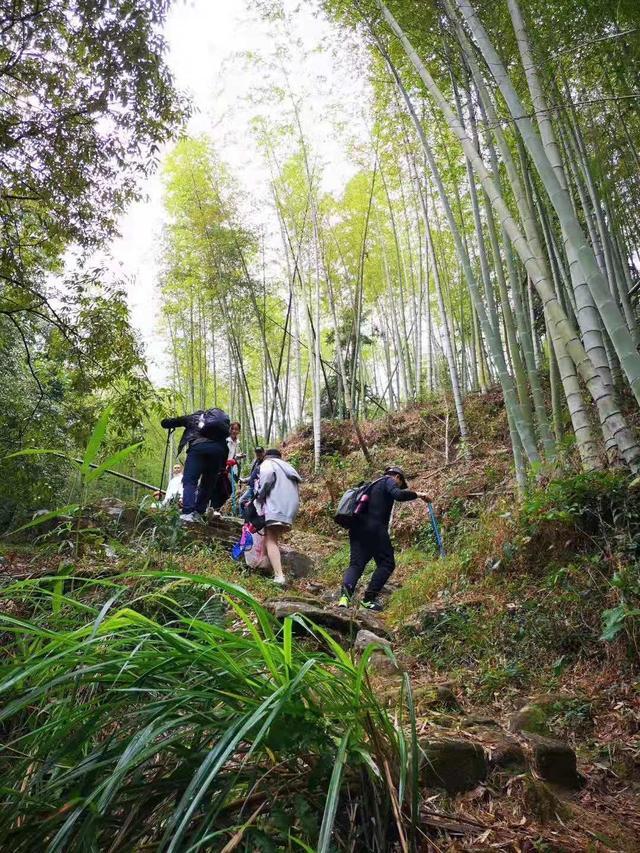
(173, 495)
(278, 499)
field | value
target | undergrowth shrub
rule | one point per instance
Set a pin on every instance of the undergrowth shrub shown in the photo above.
(128, 732)
(550, 578)
(505, 632)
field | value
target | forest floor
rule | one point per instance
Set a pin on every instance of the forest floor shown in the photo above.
(508, 626)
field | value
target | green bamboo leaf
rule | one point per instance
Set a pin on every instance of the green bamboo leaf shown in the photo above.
(97, 436)
(39, 451)
(111, 462)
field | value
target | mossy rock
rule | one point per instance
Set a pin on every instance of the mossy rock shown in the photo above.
(507, 755)
(455, 765)
(554, 760)
(530, 718)
(434, 696)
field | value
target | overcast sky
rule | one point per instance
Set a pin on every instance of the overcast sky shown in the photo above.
(221, 53)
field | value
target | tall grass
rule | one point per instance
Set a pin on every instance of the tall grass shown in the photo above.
(182, 732)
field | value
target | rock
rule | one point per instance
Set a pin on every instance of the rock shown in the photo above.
(554, 760)
(380, 664)
(436, 696)
(345, 621)
(530, 718)
(296, 564)
(446, 698)
(365, 638)
(113, 507)
(506, 754)
(455, 765)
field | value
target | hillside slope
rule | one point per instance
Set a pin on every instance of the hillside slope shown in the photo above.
(520, 646)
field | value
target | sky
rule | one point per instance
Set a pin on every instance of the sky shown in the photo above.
(222, 55)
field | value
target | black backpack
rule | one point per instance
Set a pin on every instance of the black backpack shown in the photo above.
(213, 424)
(353, 504)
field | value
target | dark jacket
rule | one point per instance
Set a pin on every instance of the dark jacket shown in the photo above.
(191, 432)
(254, 474)
(381, 497)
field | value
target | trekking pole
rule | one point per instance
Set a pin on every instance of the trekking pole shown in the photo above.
(164, 462)
(436, 529)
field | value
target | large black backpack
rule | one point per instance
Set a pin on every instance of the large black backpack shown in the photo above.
(213, 424)
(353, 504)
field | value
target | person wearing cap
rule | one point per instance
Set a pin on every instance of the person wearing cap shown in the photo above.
(369, 537)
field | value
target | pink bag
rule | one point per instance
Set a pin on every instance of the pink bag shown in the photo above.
(256, 557)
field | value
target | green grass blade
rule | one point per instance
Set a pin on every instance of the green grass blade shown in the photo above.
(287, 641)
(414, 780)
(333, 795)
(69, 509)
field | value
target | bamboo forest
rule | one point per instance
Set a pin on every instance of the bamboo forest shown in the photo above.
(320, 494)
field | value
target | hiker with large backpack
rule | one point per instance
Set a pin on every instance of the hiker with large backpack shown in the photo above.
(277, 500)
(366, 512)
(205, 436)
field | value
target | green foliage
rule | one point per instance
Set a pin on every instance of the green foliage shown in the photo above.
(625, 616)
(550, 579)
(83, 113)
(84, 110)
(74, 377)
(87, 473)
(183, 722)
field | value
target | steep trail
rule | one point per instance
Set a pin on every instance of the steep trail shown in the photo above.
(497, 774)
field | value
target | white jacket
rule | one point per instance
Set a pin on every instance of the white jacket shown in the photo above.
(278, 491)
(174, 490)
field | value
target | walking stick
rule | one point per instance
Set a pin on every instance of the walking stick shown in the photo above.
(436, 530)
(164, 461)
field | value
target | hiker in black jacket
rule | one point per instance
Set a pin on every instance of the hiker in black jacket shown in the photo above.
(369, 537)
(205, 434)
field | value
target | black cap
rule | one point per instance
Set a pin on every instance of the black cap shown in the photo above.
(396, 469)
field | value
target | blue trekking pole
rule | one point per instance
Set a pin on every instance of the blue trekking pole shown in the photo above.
(436, 529)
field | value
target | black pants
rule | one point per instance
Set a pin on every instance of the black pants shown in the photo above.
(203, 463)
(369, 542)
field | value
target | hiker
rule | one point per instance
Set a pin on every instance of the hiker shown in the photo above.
(205, 434)
(174, 489)
(233, 442)
(234, 459)
(369, 537)
(251, 480)
(277, 499)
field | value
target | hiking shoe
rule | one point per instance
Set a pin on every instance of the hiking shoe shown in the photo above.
(371, 605)
(191, 518)
(280, 581)
(344, 601)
